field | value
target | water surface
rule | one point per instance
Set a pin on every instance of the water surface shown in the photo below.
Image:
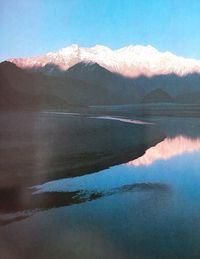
(146, 206)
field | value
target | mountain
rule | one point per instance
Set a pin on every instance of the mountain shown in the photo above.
(95, 74)
(21, 89)
(131, 61)
(157, 96)
(76, 76)
(134, 89)
(133, 70)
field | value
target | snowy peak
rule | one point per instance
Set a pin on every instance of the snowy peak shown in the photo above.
(138, 49)
(129, 61)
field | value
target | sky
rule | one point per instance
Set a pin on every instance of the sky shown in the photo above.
(35, 27)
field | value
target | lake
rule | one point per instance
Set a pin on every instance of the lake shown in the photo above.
(81, 186)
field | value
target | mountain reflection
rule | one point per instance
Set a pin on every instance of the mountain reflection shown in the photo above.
(40, 147)
(167, 149)
(18, 209)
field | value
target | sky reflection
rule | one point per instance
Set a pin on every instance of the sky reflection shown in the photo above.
(163, 163)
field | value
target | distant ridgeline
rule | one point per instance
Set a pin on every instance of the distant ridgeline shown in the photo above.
(78, 77)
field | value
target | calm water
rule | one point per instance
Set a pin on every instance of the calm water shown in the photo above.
(147, 206)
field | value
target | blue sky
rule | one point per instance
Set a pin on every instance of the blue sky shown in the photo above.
(33, 27)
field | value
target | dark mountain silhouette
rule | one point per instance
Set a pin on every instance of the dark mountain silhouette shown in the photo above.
(95, 74)
(49, 69)
(24, 90)
(20, 90)
(157, 96)
(170, 83)
(161, 88)
(87, 84)
(131, 88)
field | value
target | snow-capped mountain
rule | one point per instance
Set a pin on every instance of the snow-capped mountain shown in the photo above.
(129, 61)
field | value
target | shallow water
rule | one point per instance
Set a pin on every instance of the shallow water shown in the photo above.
(148, 207)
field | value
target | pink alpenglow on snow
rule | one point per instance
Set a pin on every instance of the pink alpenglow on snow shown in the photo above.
(131, 61)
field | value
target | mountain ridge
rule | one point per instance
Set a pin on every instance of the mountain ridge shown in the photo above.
(131, 61)
(21, 89)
